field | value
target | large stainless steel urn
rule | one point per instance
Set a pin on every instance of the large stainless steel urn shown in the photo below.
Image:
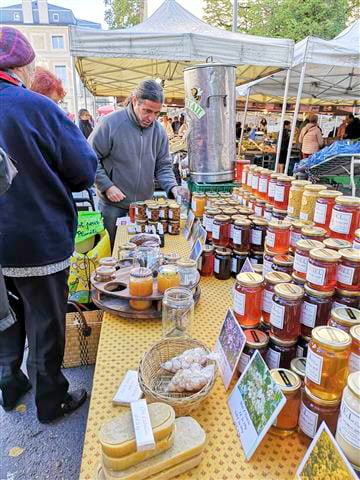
(210, 107)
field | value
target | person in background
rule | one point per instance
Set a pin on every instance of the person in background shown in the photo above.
(48, 84)
(166, 123)
(284, 146)
(85, 122)
(238, 130)
(340, 131)
(310, 137)
(263, 125)
(352, 130)
(38, 224)
(176, 125)
(183, 129)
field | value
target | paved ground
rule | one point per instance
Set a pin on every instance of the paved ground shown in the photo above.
(49, 451)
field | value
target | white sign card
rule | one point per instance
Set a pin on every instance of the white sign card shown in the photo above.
(229, 346)
(194, 232)
(202, 234)
(335, 462)
(189, 224)
(196, 251)
(122, 221)
(254, 404)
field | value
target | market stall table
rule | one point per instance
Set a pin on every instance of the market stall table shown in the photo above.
(122, 344)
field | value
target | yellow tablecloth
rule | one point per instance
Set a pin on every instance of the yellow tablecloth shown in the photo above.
(121, 346)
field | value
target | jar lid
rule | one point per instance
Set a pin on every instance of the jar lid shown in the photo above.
(174, 206)
(163, 205)
(186, 262)
(258, 268)
(325, 254)
(355, 332)
(153, 206)
(252, 167)
(242, 222)
(230, 211)
(353, 383)
(313, 231)
(289, 291)
(331, 337)
(242, 254)
(320, 401)
(350, 201)
(128, 246)
(300, 183)
(282, 343)
(212, 211)
(249, 279)
(284, 260)
(169, 269)
(233, 203)
(351, 254)
(336, 243)
(347, 293)
(140, 204)
(108, 261)
(201, 195)
(277, 277)
(223, 251)
(141, 222)
(315, 188)
(238, 217)
(278, 210)
(256, 338)
(287, 380)
(281, 224)
(260, 221)
(244, 210)
(268, 206)
(298, 365)
(222, 218)
(141, 272)
(253, 198)
(208, 248)
(308, 245)
(257, 169)
(305, 338)
(105, 270)
(267, 252)
(285, 178)
(172, 256)
(261, 202)
(318, 293)
(329, 194)
(347, 316)
(300, 223)
(298, 279)
(274, 175)
(357, 233)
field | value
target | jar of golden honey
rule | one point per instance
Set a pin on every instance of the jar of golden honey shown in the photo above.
(323, 208)
(168, 277)
(354, 358)
(322, 268)
(140, 285)
(271, 279)
(272, 186)
(287, 420)
(345, 217)
(247, 299)
(249, 177)
(295, 197)
(244, 175)
(302, 252)
(336, 243)
(263, 183)
(327, 362)
(285, 311)
(313, 233)
(198, 202)
(282, 191)
(255, 180)
(308, 201)
(239, 169)
(344, 318)
(221, 230)
(278, 236)
(295, 233)
(283, 263)
(348, 272)
(315, 309)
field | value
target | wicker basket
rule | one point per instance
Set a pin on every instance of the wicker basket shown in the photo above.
(153, 379)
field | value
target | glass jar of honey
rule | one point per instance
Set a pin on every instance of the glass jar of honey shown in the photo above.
(308, 201)
(168, 277)
(336, 243)
(174, 212)
(278, 236)
(247, 299)
(174, 228)
(344, 318)
(314, 411)
(356, 241)
(354, 358)
(221, 230)
(256, 340)
(285, 311)
(302, 252)
(283, 263)
(210, 214)
(251, 202)
(282, 190)
(140, 285)
(249, 177)
(280, 352)
(177, 312)
(188, 272)
(323, 207)
(132, 215)
(207, 261)
(297, 280)
(327, 362)
(268, 212)
(258, 234)
(302, 346)
(295, 197)
(272, 186)
(237, 262)
(295, 233)
(268, 261)
(313, 233)
(140, 211)
(298, 366)
(348, 272)
(263, 183)
(244, 175)
(239, 168)
(345, 217)
(322, 268)
(315, 309)
(222, 263)
(241, 234)
(244, 211)
(271, 279)
(259, 208)
(287, 420)
(255, 179)
(346, 298)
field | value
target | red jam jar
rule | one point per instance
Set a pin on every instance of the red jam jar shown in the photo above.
(345, 218)
(210, 214)
(241, 234)
(285, 311)
(346, 298)
(323, 208)
(272, 186)
(207, 261)
(280, 352)
(295, 233)
(315, 309)
(258, 234)
(221, 230)
(259, 208)
(256, 340)
(302, 252)
(348, 272)
(336, 243)
(344, 318)
(271, 279)
(132, 214)
(247, 296)
(283, 263)
(313, 233)
(322, 268)
(263, 183)
(239, 168)
(282, 189)
(278, 236)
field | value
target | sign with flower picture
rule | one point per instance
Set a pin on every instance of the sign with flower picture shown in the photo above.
(254, 404)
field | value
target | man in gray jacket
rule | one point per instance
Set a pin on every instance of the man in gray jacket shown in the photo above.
(132, 148)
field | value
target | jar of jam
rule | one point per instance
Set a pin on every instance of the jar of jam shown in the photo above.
(295, 197)
(302, 252)
(282, 190)
(267, 261)
(140, 211)
(287, 420)
(297, 280)
(221, 230)
(174, 212)
(283, 263)
(141, 226)
(237, 262)
(322, 267)
(308, 201)
(244, 175)
(315, 309)
(263, 183)
(336, 243)
(278, 236)
(298, 366)
(163, 211)
(258, 234)
(354, 358)
(314, 411)
(302, 346)
(259, 208)
(256, 340)
(241, 234)
(198, 202)
(280, 352)
(313, 233)
(345, 218)
(255, 179)
(210, 214)
(285, 311)
(268, 212)
(239, 168)
(348, 272)
(174, 228)
(271, 279)
(140, 285)
(247, 295)
(295, 233)
(153, 212)
(168, 277)
(346, 298)
(256, 257)
(327, 362)
(344, 318)
(272, 186)
(222, 263)
(323, 208)
(356, 241)
(207, 261)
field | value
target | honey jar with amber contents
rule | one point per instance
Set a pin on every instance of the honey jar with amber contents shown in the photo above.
(354, 358)
(323, 208)
(321, 271)
(247, 296)
(313, 233)
(278, 236)
(285, 311)
(141, 285)
(344, 318)
(345, 217)
(348, 272)
(287, 420)
(308, 201)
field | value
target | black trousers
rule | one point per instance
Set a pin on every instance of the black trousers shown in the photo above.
(40, 311)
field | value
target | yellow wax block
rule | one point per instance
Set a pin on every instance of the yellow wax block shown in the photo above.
(188, 443)
(117, 436)
(122, 463)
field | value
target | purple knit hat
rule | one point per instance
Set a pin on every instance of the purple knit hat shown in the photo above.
(15, 49)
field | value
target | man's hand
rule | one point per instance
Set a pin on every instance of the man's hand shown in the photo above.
(181, 192)
(114, 194)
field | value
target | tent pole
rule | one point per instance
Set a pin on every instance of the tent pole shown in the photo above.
(283, 112)
(244, 119)
(94, 107)
(76, 99)
(235, 16)
(296, 112)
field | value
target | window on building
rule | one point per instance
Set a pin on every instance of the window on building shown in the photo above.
(60, 72)
(56, 17)
(17, 17)
(57, 42)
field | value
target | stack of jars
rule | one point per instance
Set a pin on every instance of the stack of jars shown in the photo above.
(155, 217)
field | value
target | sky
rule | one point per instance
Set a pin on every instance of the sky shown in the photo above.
(93, 10)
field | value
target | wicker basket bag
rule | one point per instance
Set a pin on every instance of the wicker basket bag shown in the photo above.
(153, 379)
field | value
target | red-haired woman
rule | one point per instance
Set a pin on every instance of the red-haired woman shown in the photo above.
(48, 84)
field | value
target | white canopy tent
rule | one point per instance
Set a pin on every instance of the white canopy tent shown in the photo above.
(113, 62)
